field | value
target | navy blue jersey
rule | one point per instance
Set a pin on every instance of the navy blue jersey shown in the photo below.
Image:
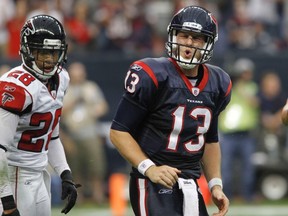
(169, 117)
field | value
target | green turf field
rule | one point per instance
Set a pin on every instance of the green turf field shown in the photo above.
(269, 209)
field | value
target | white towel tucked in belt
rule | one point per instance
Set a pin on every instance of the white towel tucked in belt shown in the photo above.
(190, 202)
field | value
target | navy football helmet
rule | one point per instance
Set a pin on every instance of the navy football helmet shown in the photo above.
(43, 33)
(192, 19)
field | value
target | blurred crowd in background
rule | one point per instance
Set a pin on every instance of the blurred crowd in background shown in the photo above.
(138, 28)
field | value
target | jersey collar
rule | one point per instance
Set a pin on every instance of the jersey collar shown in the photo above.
(193, 89)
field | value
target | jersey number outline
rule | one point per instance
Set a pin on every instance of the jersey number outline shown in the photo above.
(134, 81)
(25, 78)
(26, 141)
(199, 114)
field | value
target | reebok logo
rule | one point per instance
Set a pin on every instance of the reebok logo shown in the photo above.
(187, 183)
(165, 191)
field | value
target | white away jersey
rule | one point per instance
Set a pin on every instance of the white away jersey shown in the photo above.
(39, 109)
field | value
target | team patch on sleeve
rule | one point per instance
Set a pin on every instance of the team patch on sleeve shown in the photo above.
(13, 97)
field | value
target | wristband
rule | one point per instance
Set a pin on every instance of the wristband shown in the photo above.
(144, 165)
(215, 181)
(8, 202)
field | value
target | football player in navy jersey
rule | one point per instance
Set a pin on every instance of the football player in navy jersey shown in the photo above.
(166, 122)
(30, 109)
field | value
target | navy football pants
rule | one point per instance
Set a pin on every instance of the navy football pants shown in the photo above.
(149, 199)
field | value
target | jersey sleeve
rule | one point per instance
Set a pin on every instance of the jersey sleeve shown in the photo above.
(225, 88)
(57, 157)
(224, 97)
(14, 98)
(141, 86)
(8, 126)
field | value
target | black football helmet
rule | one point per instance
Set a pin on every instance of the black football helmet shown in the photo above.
(42, 33)
(192, 19)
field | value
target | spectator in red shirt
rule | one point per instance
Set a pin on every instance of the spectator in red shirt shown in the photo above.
(79, 29)
(14, 26)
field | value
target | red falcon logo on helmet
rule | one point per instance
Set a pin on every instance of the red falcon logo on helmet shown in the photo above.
(28, 28)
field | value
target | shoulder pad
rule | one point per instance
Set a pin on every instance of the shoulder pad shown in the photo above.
(154, 67)
(13, 97)
(224, 80)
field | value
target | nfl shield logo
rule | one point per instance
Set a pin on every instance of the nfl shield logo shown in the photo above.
(195, 91)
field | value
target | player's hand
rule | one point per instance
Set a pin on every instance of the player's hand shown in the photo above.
(164, 175)
(13, 213)
(69, 191)
(220, 200)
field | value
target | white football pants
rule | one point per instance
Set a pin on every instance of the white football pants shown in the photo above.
(31, 191)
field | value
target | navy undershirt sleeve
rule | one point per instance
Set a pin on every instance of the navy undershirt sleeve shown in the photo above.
(129, 116)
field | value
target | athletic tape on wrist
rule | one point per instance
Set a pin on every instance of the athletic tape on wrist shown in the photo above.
(144, 165)
(215, 181)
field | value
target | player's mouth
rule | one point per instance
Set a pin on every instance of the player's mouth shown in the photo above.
(47, 69)
(187, 54)
(48, 66)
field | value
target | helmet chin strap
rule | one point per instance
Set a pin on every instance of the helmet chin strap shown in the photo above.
(40, 74)
(186, 64)
(189, 65)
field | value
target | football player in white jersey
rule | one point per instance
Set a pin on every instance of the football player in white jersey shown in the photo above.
(30, 108)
